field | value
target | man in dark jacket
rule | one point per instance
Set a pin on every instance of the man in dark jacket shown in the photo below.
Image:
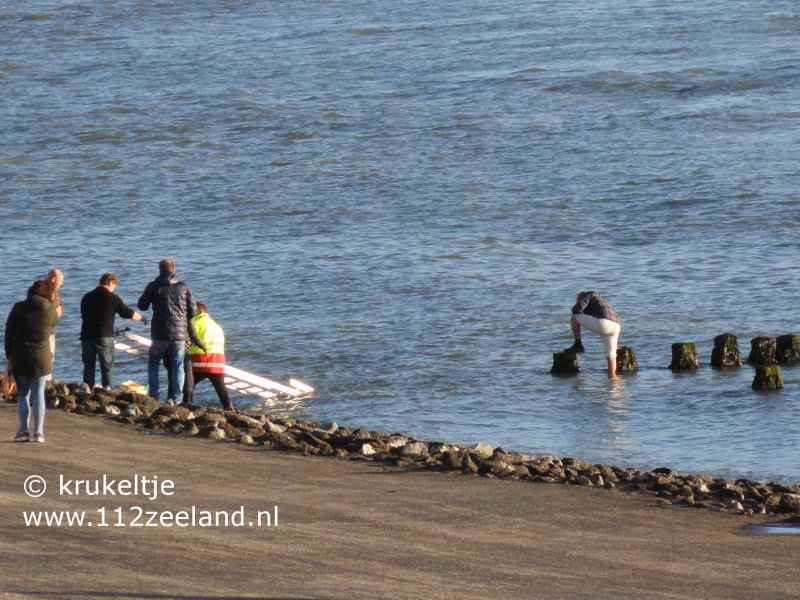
(173, 307)
(98, 309)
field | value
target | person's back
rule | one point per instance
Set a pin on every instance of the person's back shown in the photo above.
(173, 307)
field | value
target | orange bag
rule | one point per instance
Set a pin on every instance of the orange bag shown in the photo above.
(8, 385)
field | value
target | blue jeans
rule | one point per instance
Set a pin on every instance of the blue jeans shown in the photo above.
(102, 348)
(31, 388)
(175, 351)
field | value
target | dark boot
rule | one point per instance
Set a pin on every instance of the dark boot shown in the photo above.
(576, 348)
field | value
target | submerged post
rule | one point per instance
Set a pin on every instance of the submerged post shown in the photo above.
(726, 351)
(684, 357)
(626, 360)
(565, 363)
(762, 351)
(768, 377)
(788, 349)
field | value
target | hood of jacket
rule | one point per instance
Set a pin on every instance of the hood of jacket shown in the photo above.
(168, 279)
(37, 302)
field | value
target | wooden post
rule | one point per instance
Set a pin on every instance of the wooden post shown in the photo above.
(684, 357)
(626, 360)
(788, 349)
(768, 377)
(762, 351)
(565, 363)
(726, 351)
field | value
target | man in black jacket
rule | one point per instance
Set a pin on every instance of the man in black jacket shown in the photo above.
(98, 310)
(173, 307)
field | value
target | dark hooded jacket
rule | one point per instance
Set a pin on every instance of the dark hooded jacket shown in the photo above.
(27, 340)
(173, 307)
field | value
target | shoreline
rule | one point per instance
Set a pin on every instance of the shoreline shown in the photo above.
(741, 496)
(355, 529)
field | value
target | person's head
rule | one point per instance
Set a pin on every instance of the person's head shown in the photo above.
(166, 266)
(201, 308)
(55, 278)
(108, 280)
(40, 288)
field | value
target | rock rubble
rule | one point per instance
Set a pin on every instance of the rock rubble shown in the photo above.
(329, 439)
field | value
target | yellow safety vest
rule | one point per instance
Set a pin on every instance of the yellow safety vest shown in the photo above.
(212, 336)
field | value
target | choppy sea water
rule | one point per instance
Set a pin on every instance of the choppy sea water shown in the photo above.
(398, 203)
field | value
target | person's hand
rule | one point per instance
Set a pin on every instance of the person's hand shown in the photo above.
(144, 319)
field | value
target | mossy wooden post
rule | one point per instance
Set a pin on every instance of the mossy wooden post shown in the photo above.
(762, 351)
(726, 351)
(684, 357)
(565, 363)
(768, 377)
(626, 360)
(788, 349)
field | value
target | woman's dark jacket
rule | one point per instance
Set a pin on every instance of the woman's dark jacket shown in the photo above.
(27, 341)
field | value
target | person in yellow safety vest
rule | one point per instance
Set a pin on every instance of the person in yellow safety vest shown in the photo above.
(211, 364)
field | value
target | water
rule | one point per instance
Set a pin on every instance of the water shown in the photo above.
(398, 203)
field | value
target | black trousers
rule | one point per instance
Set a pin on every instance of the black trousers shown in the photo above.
(217, 380)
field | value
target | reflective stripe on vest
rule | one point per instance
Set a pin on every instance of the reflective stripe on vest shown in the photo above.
(208, 363)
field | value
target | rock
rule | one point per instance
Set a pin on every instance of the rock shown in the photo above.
(132, 410)
(246, 440)
(684, 357)
(103, 396)
(190, 429)
(482, 450)
(790, 503)
(271, 427)
(243, 421)
(565, 363)
(726, 351)
(788, 349)
(734, 505)
(414, 449)
(762, 351)
(146, 403)
(455, 459)
(626, 360)
(176, 426)
(520, 472)
(439, 448)
(112, 410)
(767, 377)
(577, 464)
(396, 441)
(469, 465)
(367, 449)
(215, 433)
(321, 447)
(330, 428)
(174, 412)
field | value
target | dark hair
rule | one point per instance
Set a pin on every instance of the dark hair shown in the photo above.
(201, 307)
(40, 288)
(108, 278)
(166, 266)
